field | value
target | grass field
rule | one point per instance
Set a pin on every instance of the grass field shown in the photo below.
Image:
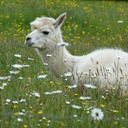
(29, 102)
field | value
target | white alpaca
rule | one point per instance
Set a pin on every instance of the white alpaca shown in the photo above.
(105, 67)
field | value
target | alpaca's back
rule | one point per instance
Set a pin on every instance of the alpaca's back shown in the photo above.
(107, 67)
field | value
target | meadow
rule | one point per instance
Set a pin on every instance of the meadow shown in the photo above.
(30, 97)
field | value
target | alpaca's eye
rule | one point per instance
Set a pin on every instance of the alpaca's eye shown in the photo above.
(45, 32)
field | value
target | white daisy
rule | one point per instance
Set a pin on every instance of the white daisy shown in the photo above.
(15, 102)
(8, 100)
(85, 98)
(47, 93)
(89, 86)
(120, 21)
(5, 78)
(53, 92)
(21, 113)
(26, 65)
(30, 59)
(75, 116)
(19, 119)
(97, 114)
(76, 106)
(73, 86)
(36, 94)
(1, 87)
(67, 102)
(45, 64)
(23, 100)
(49, 55)
(21, 78)
(18, 66)
(57, 91)
(4, 84)
(42, 76)
(17, 55)
(14, 72)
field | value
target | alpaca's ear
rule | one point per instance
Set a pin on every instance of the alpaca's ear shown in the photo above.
(60, 20)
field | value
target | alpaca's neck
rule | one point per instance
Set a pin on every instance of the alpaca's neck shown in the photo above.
(59, 60)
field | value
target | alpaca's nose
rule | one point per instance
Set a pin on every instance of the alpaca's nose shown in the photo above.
(28, 38)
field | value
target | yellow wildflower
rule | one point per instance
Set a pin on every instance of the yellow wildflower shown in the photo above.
(25, 126)
(40, 112)
(102, 105)
(15, 106)
(76, 94)
(16, 114)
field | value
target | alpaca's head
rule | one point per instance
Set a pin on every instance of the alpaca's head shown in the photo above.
(45, 32)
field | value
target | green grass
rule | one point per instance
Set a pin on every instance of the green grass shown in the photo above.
(89, 25)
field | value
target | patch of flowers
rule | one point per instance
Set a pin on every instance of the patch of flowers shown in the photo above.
(24, 100)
